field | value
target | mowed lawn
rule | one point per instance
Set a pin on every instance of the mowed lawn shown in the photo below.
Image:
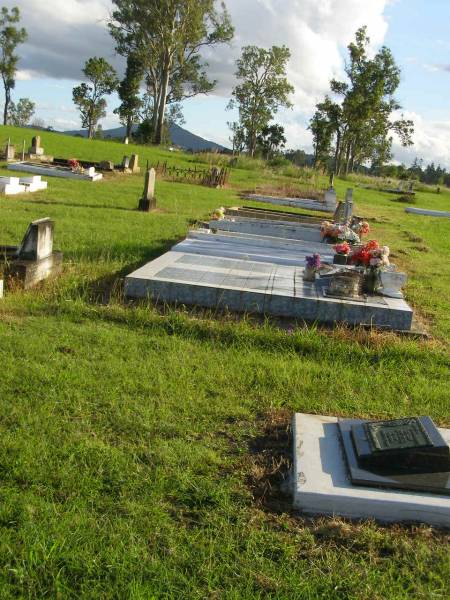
(144, 451)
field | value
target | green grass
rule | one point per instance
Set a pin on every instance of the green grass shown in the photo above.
(143, 450)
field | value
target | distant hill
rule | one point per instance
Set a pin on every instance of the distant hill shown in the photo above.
(180, 137)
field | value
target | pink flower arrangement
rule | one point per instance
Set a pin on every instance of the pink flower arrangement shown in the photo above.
(74, 164)
(371, 255)
(343, 248)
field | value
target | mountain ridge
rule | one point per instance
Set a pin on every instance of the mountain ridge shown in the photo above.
(180, 137)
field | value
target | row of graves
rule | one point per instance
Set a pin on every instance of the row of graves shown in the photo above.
(298, 265)
(284, 264)
(39, 164)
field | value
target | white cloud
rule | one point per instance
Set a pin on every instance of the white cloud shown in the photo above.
(431, 141)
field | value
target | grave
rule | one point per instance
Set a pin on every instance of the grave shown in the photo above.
(277, 215)
(393, 471)
(51, 170)
(34, 260)
(309, 204)
(427, 212)
(295, 231)
(257, 274)
(148, 201)
(36, 151)
(21, 185)
(10, 186)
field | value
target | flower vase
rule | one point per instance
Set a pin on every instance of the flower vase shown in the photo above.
(340, 259)
(371, 281)
(309, 274)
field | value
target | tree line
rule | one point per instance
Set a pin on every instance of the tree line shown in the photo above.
(163, 44)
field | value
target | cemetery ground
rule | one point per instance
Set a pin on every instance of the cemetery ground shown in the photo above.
(143, 450)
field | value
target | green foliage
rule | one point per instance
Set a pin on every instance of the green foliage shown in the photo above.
(10, 38)
(264, 89)
(20, 114)
(167, 35)
(271, 140)
(89, 97)
(128, 91)
(358, 128)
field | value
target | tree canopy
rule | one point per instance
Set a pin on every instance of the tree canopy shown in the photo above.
(168, 36)
(10, 37)
(89, 97)
(264, 89)
(357, 127)
(20, 114)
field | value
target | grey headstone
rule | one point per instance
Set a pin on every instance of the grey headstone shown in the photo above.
(348, 207)
(148, 200)
(126, 162)
(134, 163)
(38, 241)
(10, 152)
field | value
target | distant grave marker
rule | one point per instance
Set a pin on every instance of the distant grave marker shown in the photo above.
(148, 200)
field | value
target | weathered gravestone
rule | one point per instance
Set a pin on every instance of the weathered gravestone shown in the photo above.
(148, 200)
(330, 199)
(106, 165)
(36, 149)
(348, 207)
(126, 163)
(339, 213)
(34, 260)
(10, 151)
(134, 164)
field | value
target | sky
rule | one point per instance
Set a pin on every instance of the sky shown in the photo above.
(63, 35)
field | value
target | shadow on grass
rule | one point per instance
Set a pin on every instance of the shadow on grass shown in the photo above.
(73, 205)
(269, 463)
(100, 290)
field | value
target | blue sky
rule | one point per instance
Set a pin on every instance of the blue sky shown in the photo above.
(63, 35)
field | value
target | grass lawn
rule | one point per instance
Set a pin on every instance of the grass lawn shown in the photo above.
(144, 451)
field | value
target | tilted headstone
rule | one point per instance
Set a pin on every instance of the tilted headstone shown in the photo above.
(125, 162)
(134, 163)
(148, 200)
(339, 213)
(38, 241)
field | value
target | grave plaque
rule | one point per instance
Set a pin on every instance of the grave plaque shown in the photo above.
(407, 453)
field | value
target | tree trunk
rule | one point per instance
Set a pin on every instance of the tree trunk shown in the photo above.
(7, 103)
(129, 126)
(162, 100)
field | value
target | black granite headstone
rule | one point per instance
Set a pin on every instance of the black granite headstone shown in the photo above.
(402, 453)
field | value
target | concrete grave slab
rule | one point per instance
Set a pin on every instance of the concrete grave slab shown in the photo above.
(306, 203)
(321, 483)
(54, 171)
(241, 276)
(427, 212)
(269, 228)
